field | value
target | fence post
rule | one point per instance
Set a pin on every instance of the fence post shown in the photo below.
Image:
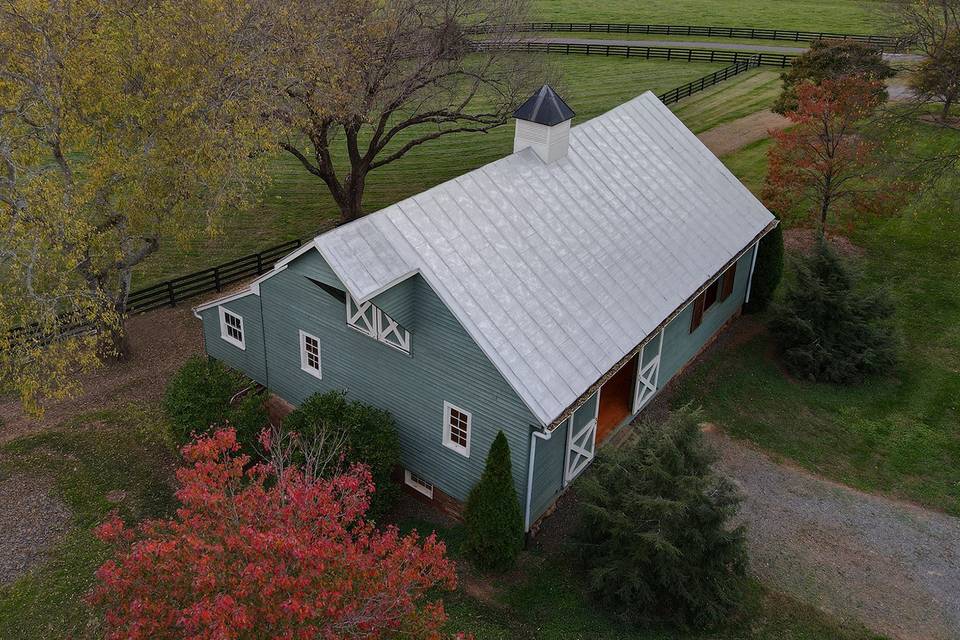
(259, 263)
(216, 277)
(171, 293)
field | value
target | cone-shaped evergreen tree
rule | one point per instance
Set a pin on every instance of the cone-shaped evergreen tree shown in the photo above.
(827, 331)
(654, 532)
(493, 516)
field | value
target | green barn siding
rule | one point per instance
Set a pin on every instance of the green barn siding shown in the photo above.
(446, 366)
(399, 302)
(249, 360)
(548, 471)
(679, 345)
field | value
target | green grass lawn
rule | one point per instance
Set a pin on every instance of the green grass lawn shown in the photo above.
(735, 98)
(897, 434)
(88, 458)
(296, 203)
(845, 16)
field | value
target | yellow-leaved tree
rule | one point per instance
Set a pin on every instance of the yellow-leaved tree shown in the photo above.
(123, 124)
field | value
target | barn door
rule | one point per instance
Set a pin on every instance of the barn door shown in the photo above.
(581, 446)
(648, 372)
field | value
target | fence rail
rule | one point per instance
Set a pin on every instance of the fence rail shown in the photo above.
(649, 53)
(892, 43)
(170, 292)
(679, 93)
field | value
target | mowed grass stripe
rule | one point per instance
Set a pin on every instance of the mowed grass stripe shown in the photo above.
(751, 92)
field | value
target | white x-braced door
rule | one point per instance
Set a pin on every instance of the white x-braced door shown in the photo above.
(581, 447)
(648, 372)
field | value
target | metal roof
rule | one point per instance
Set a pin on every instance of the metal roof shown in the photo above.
(558, 270)
(544, 107)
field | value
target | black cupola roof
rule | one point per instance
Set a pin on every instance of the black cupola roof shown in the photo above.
(544, 107)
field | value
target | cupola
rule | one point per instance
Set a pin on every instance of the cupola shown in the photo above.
(543, 123)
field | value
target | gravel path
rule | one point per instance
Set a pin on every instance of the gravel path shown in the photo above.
(32, 521)
(700, 44)
(892, 566)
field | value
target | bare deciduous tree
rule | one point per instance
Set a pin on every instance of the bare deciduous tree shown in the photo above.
(364, 82)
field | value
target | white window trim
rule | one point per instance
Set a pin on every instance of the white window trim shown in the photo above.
(304, 366)
(447, 442)
(240, 344)
(424, 487)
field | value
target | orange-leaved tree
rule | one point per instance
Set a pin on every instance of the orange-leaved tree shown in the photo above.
(825, 165)
(254, 552)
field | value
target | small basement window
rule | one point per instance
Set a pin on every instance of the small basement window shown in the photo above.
(418, 483)
(718, 291)
(310, 354)
(231, 328)
(456, 429)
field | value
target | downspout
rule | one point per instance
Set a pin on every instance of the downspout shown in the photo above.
(263, 338)
(753, 264)
(536, 433)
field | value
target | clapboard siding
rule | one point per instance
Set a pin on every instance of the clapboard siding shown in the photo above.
(249, 360)
(548, 470)
(399, 302)
(680, 345)
(446, 365)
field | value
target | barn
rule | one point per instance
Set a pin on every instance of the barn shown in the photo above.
(549, 295)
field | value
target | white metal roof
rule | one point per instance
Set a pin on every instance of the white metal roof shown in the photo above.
(559, 270)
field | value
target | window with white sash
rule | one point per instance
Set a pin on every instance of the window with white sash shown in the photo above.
(456, 429)
(310, 354)
(231, 328)
(417, 482)
(370, 320)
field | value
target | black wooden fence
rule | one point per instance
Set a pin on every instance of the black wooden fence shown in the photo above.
(891, 43)
(679, 93)
(170, 292)
(680, 54)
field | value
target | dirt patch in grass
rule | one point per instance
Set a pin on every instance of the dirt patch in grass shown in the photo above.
(32, 521)
(802, 241)
(160, 342)
(731, 136)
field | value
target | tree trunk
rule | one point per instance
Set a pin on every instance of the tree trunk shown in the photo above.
(352, 206)
(947, 103)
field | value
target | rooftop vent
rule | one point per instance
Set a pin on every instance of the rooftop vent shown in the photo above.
(543, 123)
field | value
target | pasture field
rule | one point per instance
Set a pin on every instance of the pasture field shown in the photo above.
(844, 16)
(898, 434)
(296, 204)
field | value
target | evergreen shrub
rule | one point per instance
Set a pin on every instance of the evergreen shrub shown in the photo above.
(827, 330)
(197, 399)
(655, 534)
(494, 520)
(368, 434)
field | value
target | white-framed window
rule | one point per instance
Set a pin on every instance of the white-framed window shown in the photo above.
(310, 354)
(418, 483)
(231, 328)
(456, 429)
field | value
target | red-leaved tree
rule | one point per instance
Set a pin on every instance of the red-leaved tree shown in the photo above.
(254, 554)
(824, 164)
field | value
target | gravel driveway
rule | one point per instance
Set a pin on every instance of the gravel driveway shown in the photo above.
(892, 566)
